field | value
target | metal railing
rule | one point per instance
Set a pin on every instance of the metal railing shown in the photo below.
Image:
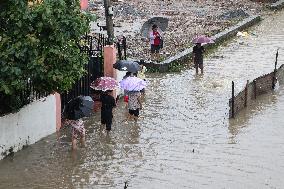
(92, 45)
(10, 103)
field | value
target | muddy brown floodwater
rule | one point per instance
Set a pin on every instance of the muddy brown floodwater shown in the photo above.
(184, 138)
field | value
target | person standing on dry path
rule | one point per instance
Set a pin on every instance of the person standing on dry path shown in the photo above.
(197, 57)
(155, 41)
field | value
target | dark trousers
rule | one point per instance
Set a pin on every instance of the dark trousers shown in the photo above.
(106, 118)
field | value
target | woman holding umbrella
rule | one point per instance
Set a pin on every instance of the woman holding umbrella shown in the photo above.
(197, 56)
(152, 29)
(198, 51)
(133, 85)
(108, 103)
(106, 85)
(155, 41)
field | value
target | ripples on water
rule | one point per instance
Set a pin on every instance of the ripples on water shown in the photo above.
(183, 138)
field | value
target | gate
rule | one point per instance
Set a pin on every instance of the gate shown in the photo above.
(92, 45)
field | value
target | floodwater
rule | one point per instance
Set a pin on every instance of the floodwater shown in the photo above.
(184, 138)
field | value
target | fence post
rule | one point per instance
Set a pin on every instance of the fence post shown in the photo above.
(124, 46)
(246, 93)
(233, 99)
(255, 88)
(275, 70)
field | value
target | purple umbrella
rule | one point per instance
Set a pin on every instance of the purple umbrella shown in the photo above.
(202, 39)
(133, 84)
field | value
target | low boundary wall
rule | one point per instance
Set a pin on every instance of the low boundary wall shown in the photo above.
(33, 122)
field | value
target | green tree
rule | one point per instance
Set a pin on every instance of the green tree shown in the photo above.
(39, 43)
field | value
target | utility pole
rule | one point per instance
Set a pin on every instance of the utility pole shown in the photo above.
(109, 21)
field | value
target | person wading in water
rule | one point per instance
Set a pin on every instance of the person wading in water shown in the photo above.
(197, 57)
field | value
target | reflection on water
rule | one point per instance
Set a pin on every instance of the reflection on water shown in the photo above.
(262, 103)
(183, 138)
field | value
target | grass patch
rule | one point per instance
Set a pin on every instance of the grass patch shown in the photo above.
(176, 67)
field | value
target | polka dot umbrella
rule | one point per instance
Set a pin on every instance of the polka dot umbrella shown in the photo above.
(104, 84)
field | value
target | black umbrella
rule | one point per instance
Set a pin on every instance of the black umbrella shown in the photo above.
(127, 65)
(161, 22)
(81, 106)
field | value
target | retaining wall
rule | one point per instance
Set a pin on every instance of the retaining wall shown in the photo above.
(252, 90)
(33, 122)
(185, 56)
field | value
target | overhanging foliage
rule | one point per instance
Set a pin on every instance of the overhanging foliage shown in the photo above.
(39, 43)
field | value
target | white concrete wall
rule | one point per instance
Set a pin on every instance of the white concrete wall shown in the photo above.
(119, 77)
(29, 125)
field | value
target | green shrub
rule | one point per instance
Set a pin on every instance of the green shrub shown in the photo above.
(176, 67)
(152, 70)
(39, 43)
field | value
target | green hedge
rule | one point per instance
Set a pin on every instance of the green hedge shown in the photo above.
(39, 43)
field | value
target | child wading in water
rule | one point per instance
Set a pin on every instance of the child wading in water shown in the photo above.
(78, 131)
(77, 125)
(134, 105)
(108, 103)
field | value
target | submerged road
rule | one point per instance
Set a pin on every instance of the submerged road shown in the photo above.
(184, 138)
